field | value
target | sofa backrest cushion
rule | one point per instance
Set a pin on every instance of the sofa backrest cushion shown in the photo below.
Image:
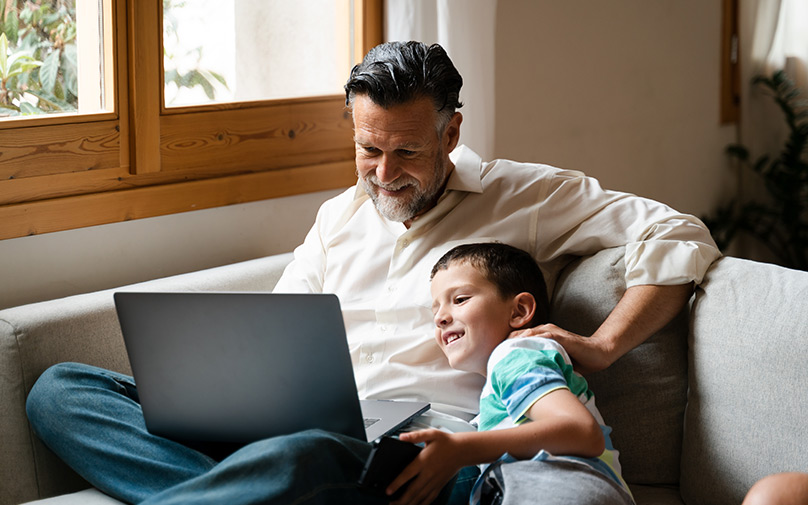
(641, 396)
(747, 412)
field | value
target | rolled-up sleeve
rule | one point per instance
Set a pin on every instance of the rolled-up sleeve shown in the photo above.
(663, 246)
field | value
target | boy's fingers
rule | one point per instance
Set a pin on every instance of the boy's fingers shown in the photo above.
(416, 436)
(408, 473)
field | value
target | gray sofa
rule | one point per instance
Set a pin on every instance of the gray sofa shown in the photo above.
(710, 404)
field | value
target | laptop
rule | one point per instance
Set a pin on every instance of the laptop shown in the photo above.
(233, 368)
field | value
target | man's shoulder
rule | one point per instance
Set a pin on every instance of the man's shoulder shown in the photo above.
(521, 175)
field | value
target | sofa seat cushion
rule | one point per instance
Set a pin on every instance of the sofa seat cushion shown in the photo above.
(90, 496)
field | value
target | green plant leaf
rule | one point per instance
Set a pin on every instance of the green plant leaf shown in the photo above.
(12, 25)
(70, 69)
(49, 71)
(738, 151)
(760, 164)
(52, 101)
(29, 110)
(3, 56)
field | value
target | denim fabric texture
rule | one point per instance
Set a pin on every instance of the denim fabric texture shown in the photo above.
(92, 419)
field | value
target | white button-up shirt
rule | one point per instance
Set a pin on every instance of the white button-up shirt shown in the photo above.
(380, 270)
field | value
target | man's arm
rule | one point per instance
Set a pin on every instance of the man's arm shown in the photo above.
(641, 312)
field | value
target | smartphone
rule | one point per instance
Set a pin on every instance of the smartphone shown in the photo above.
(386, 461)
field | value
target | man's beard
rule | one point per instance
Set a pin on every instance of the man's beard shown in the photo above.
(418, 199)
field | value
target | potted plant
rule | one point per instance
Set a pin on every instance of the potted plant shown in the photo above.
(780, 220)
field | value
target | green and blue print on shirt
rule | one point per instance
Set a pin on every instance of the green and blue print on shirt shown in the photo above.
(523, 370)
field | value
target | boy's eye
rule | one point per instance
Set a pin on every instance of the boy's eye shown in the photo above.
(461, 299)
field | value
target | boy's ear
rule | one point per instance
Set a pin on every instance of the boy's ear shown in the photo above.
(524, 307)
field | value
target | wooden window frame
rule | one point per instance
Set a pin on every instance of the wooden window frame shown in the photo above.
(730, 63)
(65, 172)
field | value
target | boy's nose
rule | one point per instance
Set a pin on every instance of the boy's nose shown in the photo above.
(442, 319)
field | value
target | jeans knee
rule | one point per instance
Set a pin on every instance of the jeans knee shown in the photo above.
(48, 394)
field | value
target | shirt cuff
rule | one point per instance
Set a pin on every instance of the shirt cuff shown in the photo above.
(668, 262)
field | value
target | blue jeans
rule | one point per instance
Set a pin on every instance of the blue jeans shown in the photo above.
(92, 419)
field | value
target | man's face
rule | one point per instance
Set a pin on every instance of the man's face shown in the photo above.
(401, 161)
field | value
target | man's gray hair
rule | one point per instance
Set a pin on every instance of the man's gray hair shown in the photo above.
(396, 73)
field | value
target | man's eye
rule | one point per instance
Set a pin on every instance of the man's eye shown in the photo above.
(407, 153)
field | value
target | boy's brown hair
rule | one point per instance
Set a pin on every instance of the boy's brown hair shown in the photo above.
(510, 269)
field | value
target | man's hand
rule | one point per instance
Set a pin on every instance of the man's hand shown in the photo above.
(588, 354)
(641, 312)
(437, 463)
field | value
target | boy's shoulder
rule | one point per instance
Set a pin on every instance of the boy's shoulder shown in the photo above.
(537, 343)
(511, 345)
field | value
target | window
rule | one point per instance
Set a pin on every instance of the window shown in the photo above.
(132, 155)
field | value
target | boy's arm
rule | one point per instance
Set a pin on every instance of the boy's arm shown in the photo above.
(561, 424)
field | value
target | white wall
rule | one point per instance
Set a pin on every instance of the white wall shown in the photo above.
(626, 91)
(53, 265)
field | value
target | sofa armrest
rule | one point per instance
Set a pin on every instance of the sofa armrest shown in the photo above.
(747, 405)
(82, 328)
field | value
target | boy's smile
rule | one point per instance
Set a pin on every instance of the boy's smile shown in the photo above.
(471, 316)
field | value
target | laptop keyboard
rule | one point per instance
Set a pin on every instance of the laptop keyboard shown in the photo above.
(369, 421)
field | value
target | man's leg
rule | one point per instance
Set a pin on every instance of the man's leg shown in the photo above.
(92, 419)
(308, 467)
(313, 467)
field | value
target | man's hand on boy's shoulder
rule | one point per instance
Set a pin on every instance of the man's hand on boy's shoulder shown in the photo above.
(442, 457)
(588, 354)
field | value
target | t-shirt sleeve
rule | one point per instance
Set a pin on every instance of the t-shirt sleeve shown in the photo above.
(522, 374)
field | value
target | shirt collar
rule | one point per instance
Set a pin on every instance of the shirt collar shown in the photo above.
(466, 176)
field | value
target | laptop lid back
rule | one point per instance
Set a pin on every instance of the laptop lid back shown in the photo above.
(239, 367)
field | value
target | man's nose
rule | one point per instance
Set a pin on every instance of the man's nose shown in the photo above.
(387, 169)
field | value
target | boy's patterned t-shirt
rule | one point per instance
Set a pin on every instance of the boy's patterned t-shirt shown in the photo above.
(523, 370)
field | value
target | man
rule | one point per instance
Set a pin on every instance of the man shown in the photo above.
(374, 246)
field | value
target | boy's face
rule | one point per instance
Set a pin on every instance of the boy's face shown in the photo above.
(472, 318)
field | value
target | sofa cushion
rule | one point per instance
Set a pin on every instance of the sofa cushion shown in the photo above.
(642, 395)
(86, 497)
(747, 406)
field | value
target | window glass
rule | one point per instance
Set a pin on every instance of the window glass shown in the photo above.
(52, 57)
(245, 50)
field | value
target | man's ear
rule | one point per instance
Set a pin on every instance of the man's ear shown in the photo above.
(524, 307)
(451, 135)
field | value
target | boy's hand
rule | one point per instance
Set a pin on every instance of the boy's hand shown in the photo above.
(429, 472)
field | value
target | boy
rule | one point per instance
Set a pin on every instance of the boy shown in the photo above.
(481, 294)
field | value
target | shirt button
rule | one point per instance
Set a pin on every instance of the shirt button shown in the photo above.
(370, 358)
(405, 243)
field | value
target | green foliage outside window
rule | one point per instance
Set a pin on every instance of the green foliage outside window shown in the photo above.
(38, 57)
